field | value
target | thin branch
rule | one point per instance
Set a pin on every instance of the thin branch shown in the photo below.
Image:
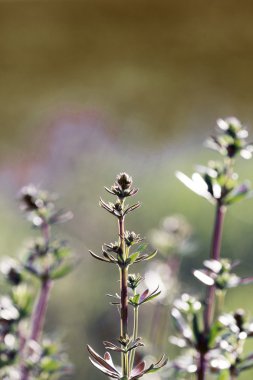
(210, 298)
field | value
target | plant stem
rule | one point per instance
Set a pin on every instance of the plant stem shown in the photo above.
(38, 318)
(201, 366)
(123, 299)
(135, 335)
(214, 255)
(210, 297)
(217, 233)
(39, 313)
(124, 316)
(39, 310)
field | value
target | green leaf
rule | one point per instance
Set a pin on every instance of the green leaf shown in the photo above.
(61, 271)
(49, 365)
(151, 297)
(134, 300)
(150, 256)
(23, 299)
(142, 248)
(224, 375)
(215, 329)
(62, 252)
(146, 257)
(133, 258)
(195, 327)
(99, 257)
(239, 193)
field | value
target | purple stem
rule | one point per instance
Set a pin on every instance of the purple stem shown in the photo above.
(38, 318)
(202, 366)
(123, 297)
(214, 255)
(39, 311)
(210, 297)
(123, 283)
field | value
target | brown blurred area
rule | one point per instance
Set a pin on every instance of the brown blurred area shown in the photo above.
(162, 67)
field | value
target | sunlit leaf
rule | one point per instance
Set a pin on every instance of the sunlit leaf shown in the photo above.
(196, 184)
(203, 277)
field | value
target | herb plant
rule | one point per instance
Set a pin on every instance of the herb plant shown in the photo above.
(26, 352)
(122, 254)
(214, 341)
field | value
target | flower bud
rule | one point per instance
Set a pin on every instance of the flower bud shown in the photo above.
(29, 199)
(124, 181)
(131, 238)
(134, 280)
(239, 316)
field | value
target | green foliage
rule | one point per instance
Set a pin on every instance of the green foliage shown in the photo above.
(121, 254)
(23, 353)
(214, 341)
(217, 182)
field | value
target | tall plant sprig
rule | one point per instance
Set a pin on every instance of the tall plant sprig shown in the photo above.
(47, 260)
(218, 183)
(120, 253)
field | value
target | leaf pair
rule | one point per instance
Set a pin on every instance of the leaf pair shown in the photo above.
(146, 296)
(133, 258)
(129, 347)
(219, 273)
(106, 365)
(117, 208)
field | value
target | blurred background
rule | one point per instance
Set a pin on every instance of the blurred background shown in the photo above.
(91, 88)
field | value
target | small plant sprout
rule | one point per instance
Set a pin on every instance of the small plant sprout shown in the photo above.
(25, 351)
(124, 255)
(214, 341)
